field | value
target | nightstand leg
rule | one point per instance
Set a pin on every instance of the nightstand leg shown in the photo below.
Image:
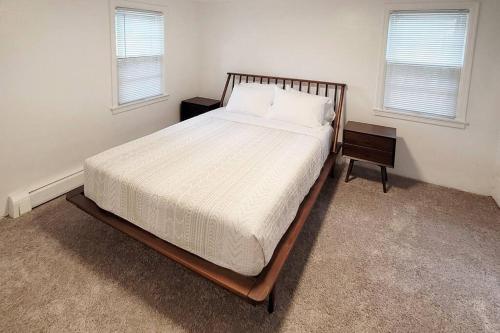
(349, 169)
(383, 171)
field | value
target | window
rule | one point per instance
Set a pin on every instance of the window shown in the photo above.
(138, 55)
(426, 64)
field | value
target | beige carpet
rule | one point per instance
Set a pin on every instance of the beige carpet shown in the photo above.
(420, 258)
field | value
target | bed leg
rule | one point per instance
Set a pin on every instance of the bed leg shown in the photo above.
(270, 302)
(332, 171)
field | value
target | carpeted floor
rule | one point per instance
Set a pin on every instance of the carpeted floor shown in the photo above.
(420, 258)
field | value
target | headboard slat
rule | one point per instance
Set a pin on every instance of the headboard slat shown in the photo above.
(335, 100)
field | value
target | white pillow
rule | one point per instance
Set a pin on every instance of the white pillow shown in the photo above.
(329, 114)
(251, 98)
(298, 108)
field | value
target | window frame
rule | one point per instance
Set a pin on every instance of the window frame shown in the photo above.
(115, 106)
(460, 120)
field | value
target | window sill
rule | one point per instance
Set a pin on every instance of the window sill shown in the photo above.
(455, 123)
(135, 105)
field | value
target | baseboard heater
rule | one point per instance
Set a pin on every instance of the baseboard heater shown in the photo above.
(22, 202)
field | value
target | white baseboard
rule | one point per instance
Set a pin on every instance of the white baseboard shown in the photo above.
(19, 203)
(22, 202)
(496, 195)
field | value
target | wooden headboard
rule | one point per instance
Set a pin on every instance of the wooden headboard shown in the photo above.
(334, 90)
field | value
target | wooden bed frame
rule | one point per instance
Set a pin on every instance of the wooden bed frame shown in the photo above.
(254, 289)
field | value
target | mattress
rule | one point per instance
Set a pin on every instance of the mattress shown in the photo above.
(223, 186)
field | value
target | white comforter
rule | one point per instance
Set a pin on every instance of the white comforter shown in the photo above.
(223, 186)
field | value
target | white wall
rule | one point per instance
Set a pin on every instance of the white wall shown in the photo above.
(55, 86)
(55, 81)
(341, 41)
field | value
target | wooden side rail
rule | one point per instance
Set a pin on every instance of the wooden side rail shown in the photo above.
(254, 289)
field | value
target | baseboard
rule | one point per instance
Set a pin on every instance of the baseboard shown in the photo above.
(496, 196)
(23, 201)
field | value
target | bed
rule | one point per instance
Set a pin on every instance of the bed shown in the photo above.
(223, 194)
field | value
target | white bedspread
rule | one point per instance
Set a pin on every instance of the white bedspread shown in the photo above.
(223, 186)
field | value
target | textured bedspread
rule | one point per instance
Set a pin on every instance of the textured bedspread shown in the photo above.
(222, 186)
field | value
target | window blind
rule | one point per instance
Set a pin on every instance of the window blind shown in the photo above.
(424, 60)
(139, 53)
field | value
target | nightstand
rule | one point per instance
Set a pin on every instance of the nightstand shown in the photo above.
(369, 143)
(195, 106)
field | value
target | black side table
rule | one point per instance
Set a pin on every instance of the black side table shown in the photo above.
(198, 105)
(369, 143)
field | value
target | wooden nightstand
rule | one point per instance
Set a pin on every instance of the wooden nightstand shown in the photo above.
(195, 106)
(369, 143)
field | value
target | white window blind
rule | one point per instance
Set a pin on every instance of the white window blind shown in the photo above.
(139, 53)
(424, 61)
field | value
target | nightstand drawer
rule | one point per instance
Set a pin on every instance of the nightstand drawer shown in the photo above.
(196, 106)
(368, 154)
(192, 110)
(369, 141)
